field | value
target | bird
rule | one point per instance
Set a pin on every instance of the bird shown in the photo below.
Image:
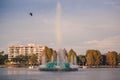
(31, 14)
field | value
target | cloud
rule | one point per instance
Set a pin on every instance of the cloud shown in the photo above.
(112, 3)
(92, 42)
(82, 27)
(104, 45)
(111, 43)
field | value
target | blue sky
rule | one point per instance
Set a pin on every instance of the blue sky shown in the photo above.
(86, 24)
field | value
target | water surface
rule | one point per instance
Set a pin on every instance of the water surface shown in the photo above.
(82, 74)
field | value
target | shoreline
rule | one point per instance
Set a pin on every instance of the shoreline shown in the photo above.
(102, 66)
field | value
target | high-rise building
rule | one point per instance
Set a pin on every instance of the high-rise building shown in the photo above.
(27, 50)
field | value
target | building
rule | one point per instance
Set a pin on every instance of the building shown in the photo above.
(14, 51)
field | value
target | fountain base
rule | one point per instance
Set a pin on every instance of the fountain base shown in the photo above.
(58, 69)
(54, 66)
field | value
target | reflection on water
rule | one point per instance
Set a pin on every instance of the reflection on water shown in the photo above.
(11, 72)
(82, 74)
(18, 71)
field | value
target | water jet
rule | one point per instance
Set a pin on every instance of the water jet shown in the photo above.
(62, 62)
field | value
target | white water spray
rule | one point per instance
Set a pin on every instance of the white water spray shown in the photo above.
(62, 64)
(58, 26)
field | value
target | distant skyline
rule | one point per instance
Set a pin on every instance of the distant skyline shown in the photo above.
(85, 24)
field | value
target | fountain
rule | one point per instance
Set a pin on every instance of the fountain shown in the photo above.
(62, 62)
(60, 65)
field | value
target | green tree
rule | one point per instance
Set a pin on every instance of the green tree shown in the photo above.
(33, 59)
(90, 58)
(15, 59)
(72, 56)
(2, 52)
(93, 57)
(98, 57)
(118, 58)
(111, 58)
(103, 59)
(54, 56)
(65, 53)
(21, 59)
(82, 59)
(49, 54)
(3, 57)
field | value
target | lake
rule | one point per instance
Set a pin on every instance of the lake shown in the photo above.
(82, 74)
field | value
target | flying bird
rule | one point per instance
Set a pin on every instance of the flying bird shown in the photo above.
(31, 14)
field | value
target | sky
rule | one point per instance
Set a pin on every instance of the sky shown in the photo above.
(85, 24)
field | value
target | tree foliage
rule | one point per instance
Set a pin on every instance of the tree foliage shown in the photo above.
(111, 58)
(21, 59)
(103, 59)
(93, 57)
(33, 59)
(82, 59)
(48, 53)
(3, 57)
(118, 58)
(54, 56)
(72, 56)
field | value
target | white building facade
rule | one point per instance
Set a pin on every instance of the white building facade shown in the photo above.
(27, 50)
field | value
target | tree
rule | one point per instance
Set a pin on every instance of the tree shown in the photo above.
(98, 57)
(90, 58)
(2, 52)
(21, 59)
(118, 58)
(33, 59)
(93, 57)
(82, 59)
(103, 60)
(54, 56)
(49, 54)
(3, 57)
(72, 56)
(111, 58)
(65, 55)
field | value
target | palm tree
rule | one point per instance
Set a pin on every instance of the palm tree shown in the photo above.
(33, 59)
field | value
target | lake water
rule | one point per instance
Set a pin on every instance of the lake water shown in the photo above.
(82, 74)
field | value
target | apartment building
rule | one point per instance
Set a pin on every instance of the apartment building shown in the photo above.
(26, 50)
